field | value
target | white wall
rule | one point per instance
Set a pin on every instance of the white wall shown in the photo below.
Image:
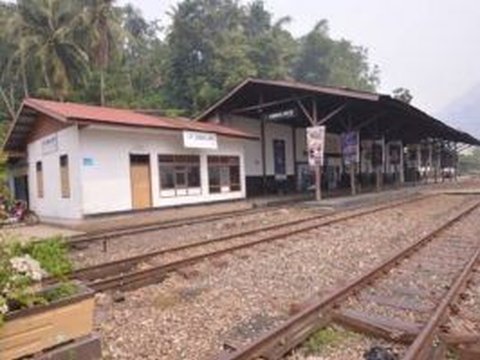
(106, 181)
(253, 152)
(52, 204)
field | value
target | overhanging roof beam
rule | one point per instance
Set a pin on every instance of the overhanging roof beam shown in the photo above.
(464, 147)
(268, 104)
(305, 112)
(369, 121)
(332, 114)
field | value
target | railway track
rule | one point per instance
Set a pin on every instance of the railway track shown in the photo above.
(125, 275)
(394, 300)
(462, 329)
(83, 240)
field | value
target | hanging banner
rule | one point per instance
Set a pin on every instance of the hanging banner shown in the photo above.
(316, 145)
(199, 140)
(350, 147)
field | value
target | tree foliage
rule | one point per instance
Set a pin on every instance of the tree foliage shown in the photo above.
(469, 162)
(403, 94)
(99, 52)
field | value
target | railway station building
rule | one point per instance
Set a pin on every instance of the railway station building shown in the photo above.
(396, 142)
(71, 160)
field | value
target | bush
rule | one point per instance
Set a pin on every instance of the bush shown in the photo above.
(23, 266)
(52, 256)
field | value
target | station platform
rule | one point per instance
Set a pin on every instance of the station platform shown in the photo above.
(339, 199)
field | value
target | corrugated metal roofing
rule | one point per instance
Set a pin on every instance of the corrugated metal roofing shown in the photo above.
(375, 101)
(89, 114)
(68, 111)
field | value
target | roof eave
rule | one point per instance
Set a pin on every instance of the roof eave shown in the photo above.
(165, 128)
(347, 93)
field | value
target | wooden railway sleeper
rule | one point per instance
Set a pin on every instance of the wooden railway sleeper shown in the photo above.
(264, 344)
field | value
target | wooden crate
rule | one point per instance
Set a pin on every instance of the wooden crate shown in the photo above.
(30, 331)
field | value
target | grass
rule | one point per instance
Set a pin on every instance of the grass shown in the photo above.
(62, 291)
(326, 338)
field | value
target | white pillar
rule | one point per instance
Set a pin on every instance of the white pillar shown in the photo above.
(402, 164)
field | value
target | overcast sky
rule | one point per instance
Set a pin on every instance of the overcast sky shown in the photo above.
(431, 47)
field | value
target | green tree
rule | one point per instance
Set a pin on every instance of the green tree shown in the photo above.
(198, 28)
(13, 65)
(324, 61)
(96, 51)
(312, 64)
(270, 47)
(349, 67)
(403, 94)
(469, 162)
(44, 28)
(106, 36)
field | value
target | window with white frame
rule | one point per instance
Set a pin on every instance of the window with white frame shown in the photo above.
(223, 174)
(179, 175)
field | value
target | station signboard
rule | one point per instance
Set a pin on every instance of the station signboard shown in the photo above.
(316, 145)
(200, 140)
(50, 145)
(282, 115)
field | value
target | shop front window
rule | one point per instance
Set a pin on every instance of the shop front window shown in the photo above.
(179, 175)
(224, 174)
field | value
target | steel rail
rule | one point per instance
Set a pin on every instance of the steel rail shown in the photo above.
(117, 266)
(77, 240)
(282, 339)
(141, 228)
(423, 342)
(86, 272)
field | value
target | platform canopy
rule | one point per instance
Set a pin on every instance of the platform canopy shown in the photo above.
(340, 109)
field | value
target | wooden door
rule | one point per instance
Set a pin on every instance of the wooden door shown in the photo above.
(141, 181)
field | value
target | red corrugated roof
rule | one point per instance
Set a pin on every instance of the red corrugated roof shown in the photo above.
(67, 111)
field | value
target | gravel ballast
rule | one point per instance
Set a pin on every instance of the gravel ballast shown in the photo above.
(238, 296)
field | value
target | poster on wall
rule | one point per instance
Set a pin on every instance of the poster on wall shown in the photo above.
(316, 145)
(350, 147)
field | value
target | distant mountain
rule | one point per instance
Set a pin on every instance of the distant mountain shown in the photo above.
(464, 113)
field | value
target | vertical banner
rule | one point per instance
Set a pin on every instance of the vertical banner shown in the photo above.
(316, 145)
(350, 147)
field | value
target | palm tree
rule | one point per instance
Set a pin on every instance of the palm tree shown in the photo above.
(44, 29)
(104, 24)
